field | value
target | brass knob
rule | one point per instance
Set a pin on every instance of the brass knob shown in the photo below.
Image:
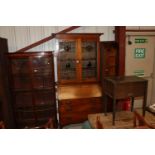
(77, 61)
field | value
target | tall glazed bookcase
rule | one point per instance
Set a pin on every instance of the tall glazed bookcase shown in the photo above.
(33, 88)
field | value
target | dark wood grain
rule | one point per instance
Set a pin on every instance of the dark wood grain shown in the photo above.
(6, 113)
(120, 36)
(77, 110)
(33, 88)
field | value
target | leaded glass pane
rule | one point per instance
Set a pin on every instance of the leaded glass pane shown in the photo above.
(20, 66)
(42, 65)
(66, 60)
(89, 57)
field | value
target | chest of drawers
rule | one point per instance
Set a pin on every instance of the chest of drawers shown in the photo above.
(75, 103)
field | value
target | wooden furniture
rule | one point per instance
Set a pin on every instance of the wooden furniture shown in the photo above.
(149, 109)
(77, 101)
(47, 125)
(6, 113)
(33, 88)
(109, 64)
(123, 120)
(120, 38)
(2, 126)
(109, 58)
(123, 87)
(78, 58)
(79, 91)
(142, 122)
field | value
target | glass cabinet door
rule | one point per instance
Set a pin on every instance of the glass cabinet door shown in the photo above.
(89, 59)
(20, 71)
(20, 66)
(78, 58)
(67, 60)
(42, 72)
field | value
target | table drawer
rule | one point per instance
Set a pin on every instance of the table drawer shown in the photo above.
(130, 89)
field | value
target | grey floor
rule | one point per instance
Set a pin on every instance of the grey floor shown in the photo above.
(84, 125)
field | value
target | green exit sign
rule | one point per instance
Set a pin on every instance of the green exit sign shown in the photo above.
(140, 40)
(139, 53)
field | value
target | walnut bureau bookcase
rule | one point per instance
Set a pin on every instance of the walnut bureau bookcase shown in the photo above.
(33, 88)
(79, 88)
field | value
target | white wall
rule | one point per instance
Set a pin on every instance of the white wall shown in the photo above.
(151, 80)
(140, 27)
(21, 36)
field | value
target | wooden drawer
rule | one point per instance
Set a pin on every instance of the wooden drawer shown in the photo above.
(77, 110)
(123, 87)
(71, 106)
(130, 89)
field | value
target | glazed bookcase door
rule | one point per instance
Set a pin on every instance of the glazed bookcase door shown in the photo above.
(20, 72)
(89, 60)
(42, 73)
(78, 58)
(67, 62)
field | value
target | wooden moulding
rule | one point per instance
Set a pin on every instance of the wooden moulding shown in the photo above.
(77, 35)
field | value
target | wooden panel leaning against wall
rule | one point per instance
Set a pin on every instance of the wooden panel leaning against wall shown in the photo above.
(6, 113)
(109, 63)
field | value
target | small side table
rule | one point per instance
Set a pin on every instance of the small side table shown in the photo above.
(124, 87)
